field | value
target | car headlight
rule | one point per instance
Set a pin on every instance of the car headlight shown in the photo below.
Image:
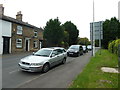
(76, 51)
(36, 64)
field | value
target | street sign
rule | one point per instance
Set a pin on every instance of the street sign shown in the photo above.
(98, 30)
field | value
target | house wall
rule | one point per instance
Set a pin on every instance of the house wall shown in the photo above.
(27, 34)
(5, 31)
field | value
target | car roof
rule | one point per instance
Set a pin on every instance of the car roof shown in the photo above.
(75, 45)
(57, 47)
(47, 48)
(52, 48)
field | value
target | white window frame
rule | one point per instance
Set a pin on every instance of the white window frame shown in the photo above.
(19, 43)
(35, 44)
(35, 33)
(19, 30)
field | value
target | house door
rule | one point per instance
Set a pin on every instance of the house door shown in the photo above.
(27, 45)
(6, 43)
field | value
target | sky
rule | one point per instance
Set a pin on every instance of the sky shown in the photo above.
(79, 12)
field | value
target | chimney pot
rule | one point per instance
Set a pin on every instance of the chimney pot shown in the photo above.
(1, 9)
(19, 16)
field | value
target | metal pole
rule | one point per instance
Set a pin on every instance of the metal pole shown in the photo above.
(100, 37)
(93, 31)
(92, 37)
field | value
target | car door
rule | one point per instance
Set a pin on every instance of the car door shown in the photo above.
(60, 55)
(54, 58)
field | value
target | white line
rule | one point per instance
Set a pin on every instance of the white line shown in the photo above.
(23, 83)
(14, 71)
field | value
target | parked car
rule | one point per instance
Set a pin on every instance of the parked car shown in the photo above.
(85, 50)
(89, 47)
(75, 50)
(43, 59)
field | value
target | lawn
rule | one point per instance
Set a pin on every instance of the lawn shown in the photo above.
(93, 77)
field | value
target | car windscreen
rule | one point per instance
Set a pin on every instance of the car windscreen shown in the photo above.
(74, 47)
(43, 52)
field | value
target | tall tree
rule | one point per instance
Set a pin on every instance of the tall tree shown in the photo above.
(53, 32)
(83, 41)
(72, 31)
(110, 31)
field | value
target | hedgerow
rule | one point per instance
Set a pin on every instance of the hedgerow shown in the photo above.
(113, 46)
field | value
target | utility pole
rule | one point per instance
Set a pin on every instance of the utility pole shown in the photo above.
(93, 34)
(100, 30)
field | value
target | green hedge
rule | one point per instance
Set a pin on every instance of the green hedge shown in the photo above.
(113, 46)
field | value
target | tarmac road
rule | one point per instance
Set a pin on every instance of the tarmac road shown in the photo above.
(60, 76)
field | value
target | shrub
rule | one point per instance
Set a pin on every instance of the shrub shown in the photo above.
(110, 46)
(113, 46)
(117, 42)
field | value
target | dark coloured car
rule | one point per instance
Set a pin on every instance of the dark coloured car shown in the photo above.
(75, 50)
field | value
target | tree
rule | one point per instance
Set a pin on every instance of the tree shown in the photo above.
(53, 32)
(72, 31)
(66, 39)
(83, 41)
(111, 31)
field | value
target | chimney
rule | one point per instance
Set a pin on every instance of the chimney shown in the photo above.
(19, 16)
(1, 9)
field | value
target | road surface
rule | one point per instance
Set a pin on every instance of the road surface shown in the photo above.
(60, 76)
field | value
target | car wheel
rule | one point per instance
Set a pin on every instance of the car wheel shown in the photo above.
(78, 54)
(45, 68)
(64, 61)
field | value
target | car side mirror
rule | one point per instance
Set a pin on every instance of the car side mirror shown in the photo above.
(52, 55)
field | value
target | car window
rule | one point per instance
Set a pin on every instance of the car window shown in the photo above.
(59, 51)
(81, 48)
(64, 50)
(43, 52)
(55, 52)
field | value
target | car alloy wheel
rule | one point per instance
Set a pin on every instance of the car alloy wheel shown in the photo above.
(45, 68)
(64, 60)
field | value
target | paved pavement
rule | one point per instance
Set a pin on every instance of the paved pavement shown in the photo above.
(60, 76)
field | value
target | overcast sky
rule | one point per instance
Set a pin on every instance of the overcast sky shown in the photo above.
(80, 12)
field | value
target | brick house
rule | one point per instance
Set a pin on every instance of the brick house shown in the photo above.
(22, 36)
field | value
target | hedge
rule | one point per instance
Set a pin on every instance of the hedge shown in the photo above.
(113, 46)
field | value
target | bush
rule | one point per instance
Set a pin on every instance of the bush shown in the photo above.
(110, 46)
(117, 42)
(113, 46)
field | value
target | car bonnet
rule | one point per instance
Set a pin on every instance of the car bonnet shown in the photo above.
(34, 59)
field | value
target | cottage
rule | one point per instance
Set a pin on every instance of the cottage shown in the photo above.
(18, 36)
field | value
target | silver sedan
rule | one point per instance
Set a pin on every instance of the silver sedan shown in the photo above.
(43, 59)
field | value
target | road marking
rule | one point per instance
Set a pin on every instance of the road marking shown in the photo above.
(14, 71)
(23, 83)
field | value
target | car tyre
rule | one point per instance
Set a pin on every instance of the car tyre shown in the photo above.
(64, 61)
(78, 54)
(45, 68)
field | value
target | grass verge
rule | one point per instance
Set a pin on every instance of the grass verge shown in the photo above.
(93, 77)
